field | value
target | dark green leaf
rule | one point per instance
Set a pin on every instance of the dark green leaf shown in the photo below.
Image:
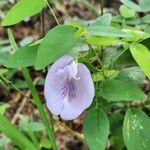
(116, 90)
(136, 129)
(56, 43)
(132, 75)
(96, 129)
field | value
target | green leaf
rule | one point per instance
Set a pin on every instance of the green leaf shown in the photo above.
(146, 19)
(131, 5)
(145, 5)
(26, 123)
(147, 28)
(21, 10)
(132, 75)
(117, 90)
(141, 55)
(117, 57)
(105, 31)
(129, 21)
(3, 108)
(136, 129)
(3, 58)
(102, 20)
(23, 57)
(96, 129)
(99, 76)
(102, 41)
(126, 12)
(45, 143)
(135, 35)
(56, 43)
(17, 137)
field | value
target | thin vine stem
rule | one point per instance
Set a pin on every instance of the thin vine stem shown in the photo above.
(102, 7)
(51, 10)
(38, 102)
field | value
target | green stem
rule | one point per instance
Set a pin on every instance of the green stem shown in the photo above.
(38, 102)
(51, 10)
(33, 138)
(102, 7)
(39, 105)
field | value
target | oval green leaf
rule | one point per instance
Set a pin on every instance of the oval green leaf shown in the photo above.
(105, 31)
(136, 129)
(133, 75)
(145, 5)
(117, 90)
(131, 5)
(23, 57)
(126, 12)
(58, 41)
(141, 54)
(96, 129)
(146, 19)
(21, 10)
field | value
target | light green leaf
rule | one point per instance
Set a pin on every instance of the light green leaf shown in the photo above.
(105, 31)
(45, 143)
(135, 35)
(132, 75)
(126, 12)
(21, 10)
(17, 137)
(3, 71)
(117, 90)
(136, 129)
(57, 42)
(145, 5)
(99, 76)
(24, 57)
(96, 129)
(102, 20)
(146, 19)
(102, 41)
(141, 55)
(131, 5)
(3, 108)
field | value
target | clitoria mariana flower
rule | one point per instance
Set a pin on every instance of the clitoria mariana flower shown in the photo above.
(69, 88)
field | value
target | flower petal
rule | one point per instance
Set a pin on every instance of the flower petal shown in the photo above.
(54, 80)
(84, 89)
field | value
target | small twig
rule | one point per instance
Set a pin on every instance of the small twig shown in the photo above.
(7, 82)
(102, 7)
(73, 133)
(43, 23)
(51, 10)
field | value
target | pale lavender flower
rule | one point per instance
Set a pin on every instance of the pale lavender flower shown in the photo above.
(69, 88)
